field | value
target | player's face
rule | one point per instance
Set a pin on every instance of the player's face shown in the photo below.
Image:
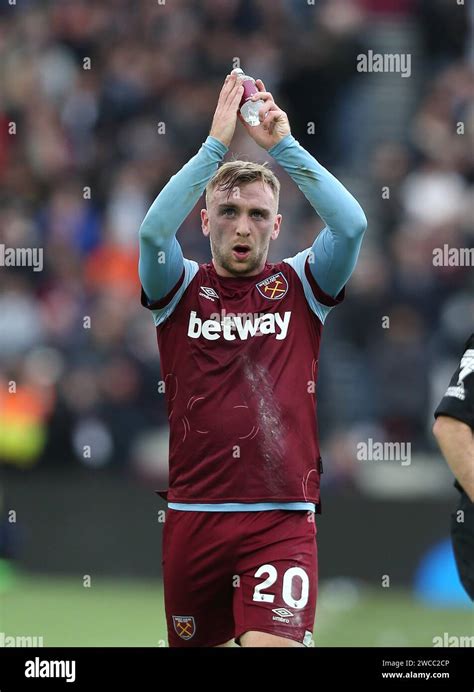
(240, 227)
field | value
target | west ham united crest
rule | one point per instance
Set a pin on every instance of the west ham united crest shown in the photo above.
(184, 626)
(273, 287)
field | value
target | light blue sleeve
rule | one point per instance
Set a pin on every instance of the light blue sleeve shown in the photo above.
(298, 264)
(161, 261)
(161, 314)
(335, 250)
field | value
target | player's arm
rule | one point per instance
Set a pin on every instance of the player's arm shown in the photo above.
(454, 424)
(456, 442)
(161, 261)
(336, 248)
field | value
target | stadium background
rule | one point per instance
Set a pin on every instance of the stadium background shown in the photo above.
(89, 87)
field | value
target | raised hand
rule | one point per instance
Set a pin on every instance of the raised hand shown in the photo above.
(274, 123)
(225, 116)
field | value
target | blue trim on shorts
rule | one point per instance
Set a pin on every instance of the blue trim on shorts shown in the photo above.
(242, 506)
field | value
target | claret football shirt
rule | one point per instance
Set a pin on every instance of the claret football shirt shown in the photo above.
(239, 359)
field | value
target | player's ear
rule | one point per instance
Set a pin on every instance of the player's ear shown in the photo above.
(276, 226)
(205, 222)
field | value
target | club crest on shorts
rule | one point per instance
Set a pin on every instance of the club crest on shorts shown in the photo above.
(273, 287)
(184, 626)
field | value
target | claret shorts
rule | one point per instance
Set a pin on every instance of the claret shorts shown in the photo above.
(227, 573)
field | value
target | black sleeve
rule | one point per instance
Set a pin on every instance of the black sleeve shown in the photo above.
(458, 402)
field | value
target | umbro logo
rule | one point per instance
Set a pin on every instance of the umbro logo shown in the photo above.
(283, 612)
(282, 615)
(209, 293)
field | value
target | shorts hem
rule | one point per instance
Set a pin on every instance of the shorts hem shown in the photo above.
(251, 500)
(267, 631)
(184, 645)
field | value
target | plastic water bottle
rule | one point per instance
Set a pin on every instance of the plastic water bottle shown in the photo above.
(249, 109)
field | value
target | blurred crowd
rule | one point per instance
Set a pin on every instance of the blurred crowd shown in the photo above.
(101, 102)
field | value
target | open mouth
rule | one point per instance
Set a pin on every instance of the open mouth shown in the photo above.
(241, 251)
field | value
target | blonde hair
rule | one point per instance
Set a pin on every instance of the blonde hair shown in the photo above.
(232, 174)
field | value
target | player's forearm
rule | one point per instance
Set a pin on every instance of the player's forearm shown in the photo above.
(456, 442)
(179, 196)
(342, 213)
(336, 249)
(161, 258)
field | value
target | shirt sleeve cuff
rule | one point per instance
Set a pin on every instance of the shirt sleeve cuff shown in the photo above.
(216, 146)
(287, 141)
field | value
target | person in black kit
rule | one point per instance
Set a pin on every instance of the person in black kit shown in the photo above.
(454, 431)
